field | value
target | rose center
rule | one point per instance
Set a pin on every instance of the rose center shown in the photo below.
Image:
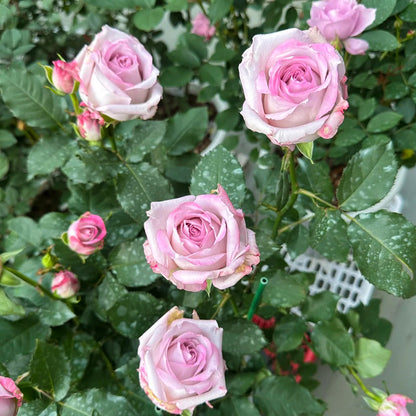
(122, 61)
(88, 233)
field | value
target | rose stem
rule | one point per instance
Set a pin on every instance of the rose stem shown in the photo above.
(33, 283)
(362, 385)
(292, 199)
(256, 300)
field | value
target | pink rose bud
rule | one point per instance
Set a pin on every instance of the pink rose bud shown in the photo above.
(342, 19)
(117, 76)
(181, 362)
(394, 405)
(294, 87)
(64, 75)
(11, 397)
(89, 125)
(201, 26)
(86, 235)
(193, 239)
(65, 284)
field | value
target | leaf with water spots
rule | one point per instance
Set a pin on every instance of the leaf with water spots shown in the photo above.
(368, 177)
(219, 166)
(384, 249)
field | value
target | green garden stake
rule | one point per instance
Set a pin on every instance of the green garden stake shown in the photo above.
(256, 300)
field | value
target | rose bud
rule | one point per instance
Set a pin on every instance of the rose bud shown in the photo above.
(117, 76)
(64, 75)
(11, 397)
(86, 235)
(181, 362)
(89, 125)
(201, 26)
(394, 405)
(193, 239)
(65, 284)
(342, 19)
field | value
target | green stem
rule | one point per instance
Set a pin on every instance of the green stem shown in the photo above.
(75, 103)
(313, 196)
(225, 297)
(362, 385)
(294, 224)
(33, 283)
(292, 199)
(256, 300)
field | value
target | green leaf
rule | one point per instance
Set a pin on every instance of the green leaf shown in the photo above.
(140, 137)
(176, 5)
(409, 15)
(395, 90)
(148, 19)
(137, 187)
(8, 307)
(109, 292)
(320, 307)
(289, 333)
(370, 358)
(53, 224)
(222, 53)
(383, 121)
(332, 343)
(380, 40)
(29, 100)
(387, 259)
(212, 74)
(328, 235)
(129, 264)
(121, 4)
(133, 313)
(384, 10)
(227, 119)
(218, 9)
(286, 290)
(4, 165)
(242, 337)
(6, 139)
(282, 396)
(239, 383)
(219, 166)
(95, 402)
(120, 227)
(27, 231)
(33, 408)
(368, 177)
(19, 337)
(78, 353)
(49, 370)
(366, 109)
(185, 130)
(175, 76)
(238, 406)
(49, 154)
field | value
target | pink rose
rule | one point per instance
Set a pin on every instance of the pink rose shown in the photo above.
(342, 19)
(394, 405)
(64, 75)
(181, 362)
(86, 235)
(117, 76)
(294, 87)
(89, 125)
(11, 397)
(65, 284)
(193, 239)
(201, 26)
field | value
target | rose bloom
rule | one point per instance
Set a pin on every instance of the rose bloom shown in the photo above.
(89, 125)
(342, 19)
(117, 76)
(201, 26)
(65, 284)
(294, 87)
(11, 397)
(193, 239)
(64, 75)
(181, 362)
(394, 405)
(86, 235)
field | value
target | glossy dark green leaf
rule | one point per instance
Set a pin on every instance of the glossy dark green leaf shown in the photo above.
(175, 76)
(289, 398)
(368, 177)
(289, 333)
(332, 343)
(383, 10)
(383, 121)
(238, 406)
(219, 166)
(380, 40)
(385, 256)
(50, 370)
(320, 307)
